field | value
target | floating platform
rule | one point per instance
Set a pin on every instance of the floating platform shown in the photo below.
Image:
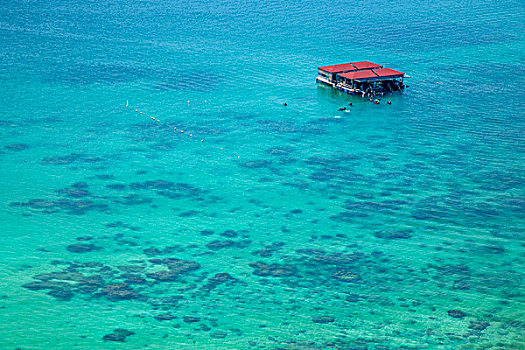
(361, 78)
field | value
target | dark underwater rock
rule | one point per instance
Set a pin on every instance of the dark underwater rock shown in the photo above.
(488, 249)
(188, 213)
(346, 276)
(69, 159)
(131, 268)
(256, 164)
(93, 280)
(90, 284)
(273, 270)
(73, 192)
(80, 185)
(353, 298)
(63, 276)
(279, 151)
(243, 243)
(119, 291)
(269, 249)
(217, 245)
(105, 176)
(73, 207)
(191, 319)
(82, 248)
(221, 278)
(176, 268)
(169, 302)
(320, 257)
(124, 225)
(169, 189)
(167, 250)
(218, 279)
(45, 285)
(133, 199)
(404, 234)
(118, 334)
(163, 276)
(39, 204)
(92, 264)
(265, 253)
(204, 328)
(286, 161)
(323, 319)
(177, 265)
(229, 234)
(218, 335)
(207, 232)
(456, 313)
(114, 337)
(459, 270)
(325, 175)
(62, 294)
(135, 280)
(461, 285)
(165, 317)
(17, 147)
(118, 187)
(478, 325)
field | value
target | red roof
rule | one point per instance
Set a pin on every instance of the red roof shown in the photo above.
(387, 72)
(346, 67)
(366, 65)
(338, 68)
(360, 74)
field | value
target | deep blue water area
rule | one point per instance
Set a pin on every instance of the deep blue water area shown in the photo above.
(205, 214)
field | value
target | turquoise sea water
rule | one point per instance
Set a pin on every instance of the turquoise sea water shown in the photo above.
(290, 227)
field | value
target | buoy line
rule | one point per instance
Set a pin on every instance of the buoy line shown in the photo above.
(174, 128)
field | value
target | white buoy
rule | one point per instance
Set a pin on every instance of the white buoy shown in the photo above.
(202, 140)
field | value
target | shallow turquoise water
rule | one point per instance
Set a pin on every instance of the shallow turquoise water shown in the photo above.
(297, 227)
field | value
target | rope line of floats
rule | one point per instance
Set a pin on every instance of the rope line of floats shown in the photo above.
(172, 127)
(181, 131)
